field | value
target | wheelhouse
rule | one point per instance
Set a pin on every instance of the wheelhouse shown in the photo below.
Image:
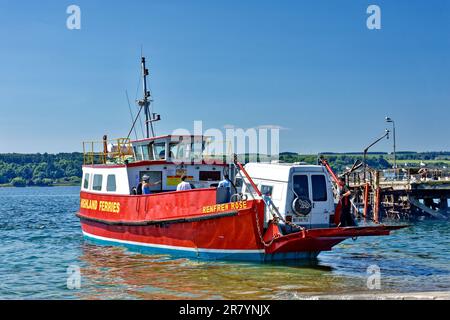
(120, 164)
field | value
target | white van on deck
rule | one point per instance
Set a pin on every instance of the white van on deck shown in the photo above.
(303, 194)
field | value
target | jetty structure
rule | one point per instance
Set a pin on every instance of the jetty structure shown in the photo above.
(400, 194)
(397, 194)
(164, 194)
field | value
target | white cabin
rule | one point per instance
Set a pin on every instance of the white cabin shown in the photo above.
(119, 168)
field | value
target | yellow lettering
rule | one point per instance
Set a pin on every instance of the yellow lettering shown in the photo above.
(105, 206)
(225, 207)
(88, 204)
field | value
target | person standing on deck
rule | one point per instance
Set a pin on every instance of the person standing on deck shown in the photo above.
(346, 215)
(225, 183)
(183, 185)
(146, 184)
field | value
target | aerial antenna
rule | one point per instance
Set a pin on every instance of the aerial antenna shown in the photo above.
(145, 103)
(135, 99)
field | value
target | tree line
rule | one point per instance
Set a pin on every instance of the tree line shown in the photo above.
(377, 160)
(45, 169)
(66, 168)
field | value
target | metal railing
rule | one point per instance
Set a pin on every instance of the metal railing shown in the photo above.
(405, 175)
(415, 175)
(115, 151)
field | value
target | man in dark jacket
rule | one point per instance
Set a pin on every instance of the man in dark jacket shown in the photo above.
(346, 215)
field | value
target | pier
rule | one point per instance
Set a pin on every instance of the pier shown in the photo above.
(401, 194)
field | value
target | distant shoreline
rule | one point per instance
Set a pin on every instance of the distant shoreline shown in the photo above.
(65, 169)
(50, 186)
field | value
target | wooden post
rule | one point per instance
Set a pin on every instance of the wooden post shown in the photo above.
(366, 199)
(376, 197)
(376, 214)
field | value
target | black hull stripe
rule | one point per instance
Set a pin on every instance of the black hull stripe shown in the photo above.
(158, 222)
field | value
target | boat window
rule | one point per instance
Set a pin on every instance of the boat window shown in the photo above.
(180, 150)
(145, 154)
(150, 152)
(195, 150)
(266, 190)
(319, 188)
(160, 151)
(138, 153)
(111, 183)
(209, 175)
(301, 187)
(86, 181)
(174, 150)
(97, 185)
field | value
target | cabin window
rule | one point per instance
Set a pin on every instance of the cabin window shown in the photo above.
(150, 152)
(266, 190)
(175, 150)
(209, 175)
(160, 151)
(319, 188)
(145, 154)
(138, 153)
(301, 187)
(180, 150)
(97, 184)
(86, 181)
(111, 183)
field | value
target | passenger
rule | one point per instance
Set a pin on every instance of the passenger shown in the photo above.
(346, 215)
(183, 185)
(146, 184)
(225, 183)
(139, 189)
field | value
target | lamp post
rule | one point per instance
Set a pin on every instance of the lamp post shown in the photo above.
(390, 120)
(386, 135)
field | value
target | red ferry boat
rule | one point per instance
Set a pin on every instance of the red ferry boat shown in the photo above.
(269, 212)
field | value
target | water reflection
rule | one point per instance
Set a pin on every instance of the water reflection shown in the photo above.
(115, 272)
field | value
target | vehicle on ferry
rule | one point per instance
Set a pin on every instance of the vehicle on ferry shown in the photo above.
(270, 211)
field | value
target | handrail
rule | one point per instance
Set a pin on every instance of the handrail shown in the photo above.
(96, 152)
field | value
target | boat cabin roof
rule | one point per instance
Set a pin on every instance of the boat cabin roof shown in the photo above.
(280, 171)
(180, 149)
(172, 138)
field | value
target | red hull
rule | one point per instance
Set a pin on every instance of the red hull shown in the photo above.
(190, 223)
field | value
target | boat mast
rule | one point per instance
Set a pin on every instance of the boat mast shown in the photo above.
(146, 100)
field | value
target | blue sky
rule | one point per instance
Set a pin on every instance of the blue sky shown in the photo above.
(311, 67)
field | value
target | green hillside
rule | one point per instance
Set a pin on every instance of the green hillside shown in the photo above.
(65, 168)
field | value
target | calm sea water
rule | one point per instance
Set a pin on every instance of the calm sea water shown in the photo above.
(41, 237)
